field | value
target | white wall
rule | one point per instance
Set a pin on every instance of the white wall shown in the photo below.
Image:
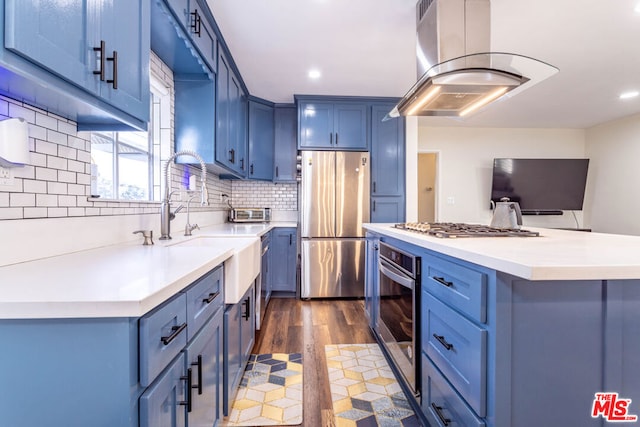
(466, 160)
(613, 197)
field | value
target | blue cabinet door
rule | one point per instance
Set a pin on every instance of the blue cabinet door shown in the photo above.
(387, 153)
(164, 402)
(387, 209)
(248, 328)
(204, 358)
(232, 363)
(202, 34)
(125, 27)
(284, 244)
(261, 136)
(231, 119)
(55, 37)
(350, 126)
(285, 144)
(316, 124)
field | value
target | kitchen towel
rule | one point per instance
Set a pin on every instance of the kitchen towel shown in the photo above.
(364, 390)
(270, 392)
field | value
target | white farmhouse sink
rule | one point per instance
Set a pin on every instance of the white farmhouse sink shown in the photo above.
(241, 269)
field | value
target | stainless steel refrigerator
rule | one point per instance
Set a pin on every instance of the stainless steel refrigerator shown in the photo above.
(334, 205)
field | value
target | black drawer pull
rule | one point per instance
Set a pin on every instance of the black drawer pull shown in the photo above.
(438, 410)
(442, 341)
(175, 331)
(198, 363)
(196, 23)
(211, 297)
(189, 380)
(443, 282)
(114, 80)
(101, 49)
(247, 306)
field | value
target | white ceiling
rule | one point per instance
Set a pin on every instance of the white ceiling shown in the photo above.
(367, 48)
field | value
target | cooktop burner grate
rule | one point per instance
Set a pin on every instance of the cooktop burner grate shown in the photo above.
(452, 230)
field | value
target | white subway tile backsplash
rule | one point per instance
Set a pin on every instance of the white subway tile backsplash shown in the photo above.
(67, 152)
(17, 110)
(56, 163)
(75, 166)
(66, 176)
(46, 200)
(46, 122)
(57, 212)
(11, 213)
(33, 186)
(56, 188)
(22, 199)
(67, 201)
(67, 128)
(39, 212)
(4, 200)
(56, 137)
(46, 147)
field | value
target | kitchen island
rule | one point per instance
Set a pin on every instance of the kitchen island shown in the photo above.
(522, 331)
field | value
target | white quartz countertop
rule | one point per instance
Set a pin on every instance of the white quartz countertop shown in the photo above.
(554, 255)
(124, 280)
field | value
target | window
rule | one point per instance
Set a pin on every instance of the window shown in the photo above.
(126, 165)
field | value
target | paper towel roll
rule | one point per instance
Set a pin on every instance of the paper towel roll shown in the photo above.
(14, 142)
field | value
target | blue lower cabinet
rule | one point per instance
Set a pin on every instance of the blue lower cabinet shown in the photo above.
(371, 281)
(166, 402)
(203, 357)
(285, 254)
(239, 337)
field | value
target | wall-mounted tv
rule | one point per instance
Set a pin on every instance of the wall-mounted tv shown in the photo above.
(540, 186)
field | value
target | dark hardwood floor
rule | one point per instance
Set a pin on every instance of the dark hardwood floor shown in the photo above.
(294, 326)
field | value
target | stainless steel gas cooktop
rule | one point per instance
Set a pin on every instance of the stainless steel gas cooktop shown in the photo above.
(452, 230)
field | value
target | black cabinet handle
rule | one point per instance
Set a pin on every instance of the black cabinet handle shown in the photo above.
(374, 205)
(232, 155)
(290, 239)
(100, 70)
(374, 186)
(277, 174)
(175, 331)
(211, 297)
(336, 138)
(114, 59)
(443, 282)
(196, 23)
(247, 307)
(442, 341)
(198, 363)
(189, 380)
(242, 164)
(438, 410)
(330, 138)
(251, 169)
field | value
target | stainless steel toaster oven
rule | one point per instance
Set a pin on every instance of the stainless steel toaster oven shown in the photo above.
(250, 215)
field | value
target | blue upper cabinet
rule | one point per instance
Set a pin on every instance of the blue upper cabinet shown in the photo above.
(332, 125)
(285, 144)
(231, 119)
(387, 166)
(195, 21)
(100, 47)
(261, 136)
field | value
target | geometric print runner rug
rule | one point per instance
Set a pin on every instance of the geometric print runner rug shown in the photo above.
(270, 392)
(364, 391)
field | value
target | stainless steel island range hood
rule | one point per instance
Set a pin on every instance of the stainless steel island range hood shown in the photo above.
(458, 74)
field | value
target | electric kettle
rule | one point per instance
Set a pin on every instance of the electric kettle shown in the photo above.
(506, 214)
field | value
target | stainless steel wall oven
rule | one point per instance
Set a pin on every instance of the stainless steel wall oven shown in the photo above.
(398, 319)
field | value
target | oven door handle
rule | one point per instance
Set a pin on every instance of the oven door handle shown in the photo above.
(392, 273)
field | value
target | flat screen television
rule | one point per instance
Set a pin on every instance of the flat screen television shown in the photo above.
(540, 186)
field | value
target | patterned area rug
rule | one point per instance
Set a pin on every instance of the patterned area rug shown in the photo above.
(364, 390)
(270, 392)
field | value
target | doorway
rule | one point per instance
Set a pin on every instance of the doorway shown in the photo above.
(427, 172)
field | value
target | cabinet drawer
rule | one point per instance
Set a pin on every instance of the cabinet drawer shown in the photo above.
(440, 403)
(459, 286)
(163, 334)
(458, 348)
(204, 297)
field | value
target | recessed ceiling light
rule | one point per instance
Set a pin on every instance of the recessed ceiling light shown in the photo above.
(314, 74)
(631, 94)
(637, 8)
